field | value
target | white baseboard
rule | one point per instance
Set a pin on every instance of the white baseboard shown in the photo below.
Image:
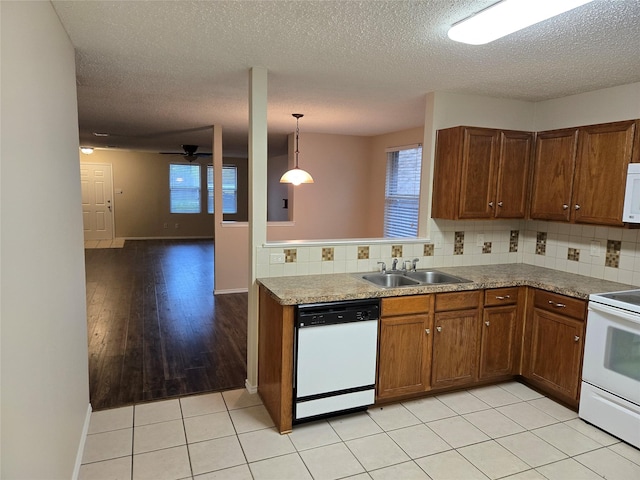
(83, 439)
(230, 290)
(250, 388)
(195, 237)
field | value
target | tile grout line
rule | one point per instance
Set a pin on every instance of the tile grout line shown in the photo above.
(534, 431)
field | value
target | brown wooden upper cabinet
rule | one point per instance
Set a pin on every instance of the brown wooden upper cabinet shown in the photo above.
(481, 173)
(580, 173)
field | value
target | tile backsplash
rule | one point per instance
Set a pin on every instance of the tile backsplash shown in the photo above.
(603, 252)
(610, 253)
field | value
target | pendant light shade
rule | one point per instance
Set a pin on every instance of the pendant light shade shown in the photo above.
(296, 175)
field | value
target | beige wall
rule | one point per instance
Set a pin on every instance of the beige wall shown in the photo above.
(337, 204)
(378, 173)
(277, 191)
(142, 209)
(346, 200)
(44, 382)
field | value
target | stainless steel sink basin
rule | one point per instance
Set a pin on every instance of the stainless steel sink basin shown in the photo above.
(411, 279)
(433, 276)
(389, 280)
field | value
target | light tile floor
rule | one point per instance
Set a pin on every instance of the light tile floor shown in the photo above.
(500, 431)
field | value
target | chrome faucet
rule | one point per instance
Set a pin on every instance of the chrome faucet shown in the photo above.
(404, 266)
(394, 264)
(414, 264)
(383, 269)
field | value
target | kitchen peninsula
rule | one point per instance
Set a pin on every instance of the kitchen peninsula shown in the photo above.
(509, 321)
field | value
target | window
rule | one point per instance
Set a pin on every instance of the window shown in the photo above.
(229, 189)
(184, 187)
(402, 191)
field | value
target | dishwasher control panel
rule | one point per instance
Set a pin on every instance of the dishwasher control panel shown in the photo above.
(318, 314)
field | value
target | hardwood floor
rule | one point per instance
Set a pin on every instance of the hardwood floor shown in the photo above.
(155, 329)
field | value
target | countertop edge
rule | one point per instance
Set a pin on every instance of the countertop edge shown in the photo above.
(349, 286)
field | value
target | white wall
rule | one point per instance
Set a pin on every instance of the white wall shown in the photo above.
(44, 382)
(453, 109)
(600, 106)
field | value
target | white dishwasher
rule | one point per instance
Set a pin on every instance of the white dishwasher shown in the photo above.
(335, 357)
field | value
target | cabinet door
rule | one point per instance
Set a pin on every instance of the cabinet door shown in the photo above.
(604, 151)
(446, 173)
(478, 175)
(555, 356)
(513, 174)
(553, 166)
(404, 355)
(455, 348)
(497, 344)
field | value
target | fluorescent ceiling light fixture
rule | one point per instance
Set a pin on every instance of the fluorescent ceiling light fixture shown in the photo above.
(86, 150)
(100, 134)
(507, 17)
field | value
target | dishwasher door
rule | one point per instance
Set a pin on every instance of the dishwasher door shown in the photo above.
(335, 366)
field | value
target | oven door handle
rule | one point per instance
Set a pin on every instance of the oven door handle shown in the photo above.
(616, 312)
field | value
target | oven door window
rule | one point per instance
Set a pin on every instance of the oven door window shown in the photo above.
(622, 353)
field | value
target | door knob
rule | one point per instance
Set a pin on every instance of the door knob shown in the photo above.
(577, 207)
(565, 206)
(499, 204)
(576, 338)
(491, 204)
(427, 331)
(486, 323)
(439, 329)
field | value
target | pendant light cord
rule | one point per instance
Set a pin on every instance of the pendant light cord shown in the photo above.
(298, 116)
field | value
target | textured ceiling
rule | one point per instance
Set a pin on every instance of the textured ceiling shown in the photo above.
(157, 74)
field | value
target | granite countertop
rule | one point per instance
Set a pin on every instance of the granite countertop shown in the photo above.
(349, 286)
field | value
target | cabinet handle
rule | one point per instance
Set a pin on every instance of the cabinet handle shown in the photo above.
(439, 329)
(427, 331)
(499, 204)
(491, 204)
(499, 297)
(557, 305)
(576, 338)
(486, 323)
(577, 207)
(565, 206)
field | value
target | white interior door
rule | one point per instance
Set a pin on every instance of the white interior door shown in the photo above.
(97, 201)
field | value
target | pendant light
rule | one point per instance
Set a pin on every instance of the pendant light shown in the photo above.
(296, 175)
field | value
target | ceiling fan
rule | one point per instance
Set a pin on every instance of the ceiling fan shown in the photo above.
(189, 153)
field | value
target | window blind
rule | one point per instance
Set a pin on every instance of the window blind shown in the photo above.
(402, 191)
(229, 189)
(184, 188)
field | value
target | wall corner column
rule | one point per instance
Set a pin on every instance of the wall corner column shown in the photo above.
(257, 208)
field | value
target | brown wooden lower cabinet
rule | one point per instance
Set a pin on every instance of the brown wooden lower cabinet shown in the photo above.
(455, 348)
(501, 333)
(554, 345)
(556, 353)
(275, 360)
(455, 339)
(445, 341)
(404, 346)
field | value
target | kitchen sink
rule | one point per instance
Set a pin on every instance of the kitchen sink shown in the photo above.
(389, 280)
(411, 279)
(433, 276)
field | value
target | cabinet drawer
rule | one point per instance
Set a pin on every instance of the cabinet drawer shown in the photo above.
(405, 305)
(457, 300)
(500, 296)
(561, 304)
